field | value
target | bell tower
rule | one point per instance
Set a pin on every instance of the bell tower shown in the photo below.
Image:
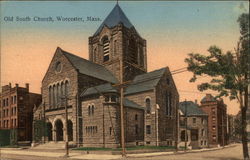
(117, 39)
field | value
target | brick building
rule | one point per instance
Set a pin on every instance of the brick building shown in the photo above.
(16, 110)
(197, 125)
(117, 54)
(217, 120)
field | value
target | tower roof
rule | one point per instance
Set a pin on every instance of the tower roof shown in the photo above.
(115, 17)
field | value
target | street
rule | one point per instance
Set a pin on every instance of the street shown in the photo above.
(229, 153)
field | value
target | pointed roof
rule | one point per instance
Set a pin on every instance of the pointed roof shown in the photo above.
(89, 68)
(115, 17)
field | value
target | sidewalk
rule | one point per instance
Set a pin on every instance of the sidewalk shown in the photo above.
(81, 155)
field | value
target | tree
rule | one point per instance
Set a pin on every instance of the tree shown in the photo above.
(229, 73)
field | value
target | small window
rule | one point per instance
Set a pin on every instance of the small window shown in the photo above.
(168, 81)
(194, 120)
(214, 128)
(136, 129)
(105, 42)
(148, 106)
(148, 129)
(110, 130)
(113, 98)
(202, 143)
(92, 110)
(136, 117)
(89, 110)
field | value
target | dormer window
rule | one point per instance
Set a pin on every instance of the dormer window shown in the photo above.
(106, 52)
(111, 98)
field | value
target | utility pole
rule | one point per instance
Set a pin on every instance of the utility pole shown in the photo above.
(185, 125)
(121, 108)
(44, 123)
(66, 127)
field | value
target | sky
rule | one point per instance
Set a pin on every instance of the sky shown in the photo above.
(172, 30)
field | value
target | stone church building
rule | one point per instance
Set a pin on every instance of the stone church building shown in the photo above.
(92, 89)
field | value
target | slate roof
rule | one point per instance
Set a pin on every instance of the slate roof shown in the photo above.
(89, 68)
(129, 103)
(103, 88)
(192, 109)
(115, 17)
(145, 82)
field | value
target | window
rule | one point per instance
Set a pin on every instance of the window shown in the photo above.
(132, 51)
(89, 110)
(194, 120)
(148, 106)
(105, 42)
(54, 95)
(214, 128)
(213, 110)
(168, 104)
(7, 102)
(50, 96)
(213, 118)
(194, 134)
(202, 121)
(111, 98)
(136, 117)
(183, 134)
(58, 94)
(67, 88)
(201, 142)
(148, 129)
(202, 132)
(136, 129)
(115, 47)
(168, 81)
(110, 130)
(15, 99)
(92, 110)
(205, 142)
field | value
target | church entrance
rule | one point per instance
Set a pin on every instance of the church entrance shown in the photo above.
(49, 131)
(59, 130)
(70, 130)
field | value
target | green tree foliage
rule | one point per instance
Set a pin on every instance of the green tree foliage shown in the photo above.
(229, 72)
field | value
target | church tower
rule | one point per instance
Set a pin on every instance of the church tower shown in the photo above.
(117, 39)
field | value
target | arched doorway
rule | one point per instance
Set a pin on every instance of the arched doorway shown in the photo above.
(70, 130)
(49, 131)
(59, 130)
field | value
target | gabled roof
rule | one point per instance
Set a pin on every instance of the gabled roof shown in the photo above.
(103, 88)
(145, 82)
(89, 68)
(192, 109)
(115, 17)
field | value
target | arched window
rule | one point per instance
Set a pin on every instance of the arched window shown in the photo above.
(105, 42)
(62, 89)
(67, 88)
(168, 103)
(57, 94)
(148, 106)
(92, 110)
(132, 54)
(94, 55)
(50, 96)
(54, 95)
(89, 110)
(136, 117)
(115, 47)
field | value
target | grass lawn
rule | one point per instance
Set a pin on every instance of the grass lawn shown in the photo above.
(128, 148)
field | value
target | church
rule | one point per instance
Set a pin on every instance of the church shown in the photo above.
(93, 91)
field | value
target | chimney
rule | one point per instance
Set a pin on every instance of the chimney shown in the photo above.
(16, 85)
(27, 86)
(10, 85)
(195, 101)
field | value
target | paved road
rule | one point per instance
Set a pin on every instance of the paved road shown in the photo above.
(231, 153)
